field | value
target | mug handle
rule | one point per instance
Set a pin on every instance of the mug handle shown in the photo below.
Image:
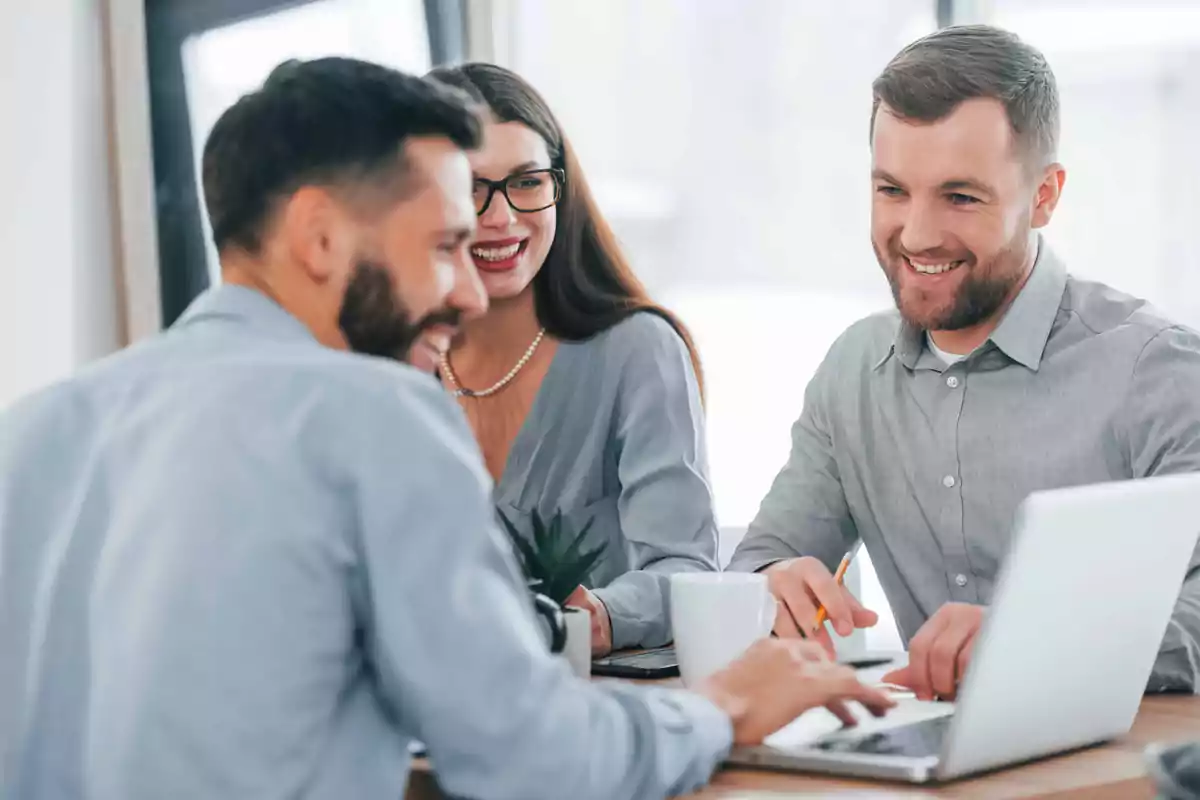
(554, 617)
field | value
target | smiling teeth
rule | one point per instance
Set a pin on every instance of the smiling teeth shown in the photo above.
(496, 253)
(934, 269)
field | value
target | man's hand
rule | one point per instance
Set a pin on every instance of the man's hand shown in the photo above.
(601, 624)
(938, 655)
(776, 680)
(803, 584)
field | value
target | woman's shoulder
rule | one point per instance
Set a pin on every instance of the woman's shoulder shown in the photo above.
(638, 352)
(640, 333)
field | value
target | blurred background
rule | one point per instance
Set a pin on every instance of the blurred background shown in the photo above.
(726, 141)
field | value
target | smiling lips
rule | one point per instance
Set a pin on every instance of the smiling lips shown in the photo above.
(498, 256)
(932, 269)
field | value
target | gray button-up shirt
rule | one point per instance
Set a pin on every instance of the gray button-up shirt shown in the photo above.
(928, 463)
(235, 563)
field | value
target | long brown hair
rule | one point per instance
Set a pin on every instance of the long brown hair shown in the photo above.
(585, 285)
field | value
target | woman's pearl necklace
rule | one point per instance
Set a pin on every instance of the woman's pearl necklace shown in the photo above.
(457, 389)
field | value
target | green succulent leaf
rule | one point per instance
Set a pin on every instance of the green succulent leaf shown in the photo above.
(553, 558)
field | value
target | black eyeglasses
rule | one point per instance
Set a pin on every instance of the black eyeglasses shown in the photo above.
(533, 190)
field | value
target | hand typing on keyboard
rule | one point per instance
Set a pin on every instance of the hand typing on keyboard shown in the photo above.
(778, 679)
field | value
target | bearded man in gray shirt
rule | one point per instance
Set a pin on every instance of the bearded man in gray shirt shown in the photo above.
(999, 373)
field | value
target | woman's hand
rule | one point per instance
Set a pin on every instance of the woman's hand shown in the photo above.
(601, 624)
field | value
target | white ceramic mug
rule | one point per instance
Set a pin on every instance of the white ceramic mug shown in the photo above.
(578, 650)
(716, 616)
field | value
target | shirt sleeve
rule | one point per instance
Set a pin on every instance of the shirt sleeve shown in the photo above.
(1162, 433)
(665, 504)
(449, 630)
(805, 511)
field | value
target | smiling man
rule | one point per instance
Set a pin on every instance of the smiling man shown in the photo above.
(998, 375)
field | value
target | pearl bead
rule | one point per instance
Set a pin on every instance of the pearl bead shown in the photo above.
(457, 390)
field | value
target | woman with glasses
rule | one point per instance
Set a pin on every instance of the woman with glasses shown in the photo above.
(584, 395)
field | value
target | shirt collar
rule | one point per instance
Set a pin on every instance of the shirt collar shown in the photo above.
(245, 305)
(1025, 328)
(1023, 332)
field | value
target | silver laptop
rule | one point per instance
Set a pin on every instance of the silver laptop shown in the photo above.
(1066, 649)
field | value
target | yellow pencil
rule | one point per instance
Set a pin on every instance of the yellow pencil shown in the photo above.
(839, 577)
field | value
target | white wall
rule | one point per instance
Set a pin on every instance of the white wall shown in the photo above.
(58, 296)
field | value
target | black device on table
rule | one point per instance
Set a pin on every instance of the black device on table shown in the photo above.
(660, 662)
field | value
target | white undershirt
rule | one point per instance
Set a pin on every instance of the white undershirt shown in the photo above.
(949, 359)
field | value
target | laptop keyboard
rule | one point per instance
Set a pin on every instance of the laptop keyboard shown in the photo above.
(915, 740)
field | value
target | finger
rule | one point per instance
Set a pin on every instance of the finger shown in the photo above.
(785, 626)
(577, 598)
(918, 655)
(823, 638)
(943, 659)
(811, 651)
(863, 617)
(840, 710)
(794, 598)
(874, 700)
(964, 659)
(899, 677)
(828, 593)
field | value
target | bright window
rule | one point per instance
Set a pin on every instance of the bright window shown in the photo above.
(222, 64)
(728, 145)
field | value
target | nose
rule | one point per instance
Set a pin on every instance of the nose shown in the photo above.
(499, 214)
(922, 230)
(467, 296)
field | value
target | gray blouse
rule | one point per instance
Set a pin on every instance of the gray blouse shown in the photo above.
(616, 435)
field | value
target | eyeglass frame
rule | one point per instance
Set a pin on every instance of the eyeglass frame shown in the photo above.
(560, 183)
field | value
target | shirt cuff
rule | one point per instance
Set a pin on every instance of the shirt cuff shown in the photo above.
(752, 565)
(707, 730)
(633, 616)
(713, 726)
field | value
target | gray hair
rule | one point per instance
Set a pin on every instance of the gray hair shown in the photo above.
(928, 79)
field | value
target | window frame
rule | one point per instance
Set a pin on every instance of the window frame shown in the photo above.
(182, 250)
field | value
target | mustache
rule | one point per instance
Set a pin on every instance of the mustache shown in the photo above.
(449, 317)
(932, 254)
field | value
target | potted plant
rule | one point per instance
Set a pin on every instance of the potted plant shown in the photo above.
(556, 563)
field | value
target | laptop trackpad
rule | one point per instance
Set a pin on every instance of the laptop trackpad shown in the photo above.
(820, 726)
(913, 740)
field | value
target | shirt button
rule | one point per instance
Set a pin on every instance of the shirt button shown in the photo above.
(952, 382)
(948, 481)
(960, 579)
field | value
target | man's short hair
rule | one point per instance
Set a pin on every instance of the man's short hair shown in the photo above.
(336, 122)
(931, 77)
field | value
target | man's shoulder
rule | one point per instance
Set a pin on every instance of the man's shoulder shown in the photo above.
(273, 385)
(368, 391)
(1121, 318)
(867, 341)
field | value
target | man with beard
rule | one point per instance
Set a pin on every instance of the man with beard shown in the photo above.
(239, 561)
(1000, 374)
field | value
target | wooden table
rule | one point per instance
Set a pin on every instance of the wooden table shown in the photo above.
(1115, 771)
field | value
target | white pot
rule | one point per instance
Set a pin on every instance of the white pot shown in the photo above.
(578, 650)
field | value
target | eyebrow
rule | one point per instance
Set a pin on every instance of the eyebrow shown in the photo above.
(953, 185)
(525, 166)
(969, 184)
(882, 175)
